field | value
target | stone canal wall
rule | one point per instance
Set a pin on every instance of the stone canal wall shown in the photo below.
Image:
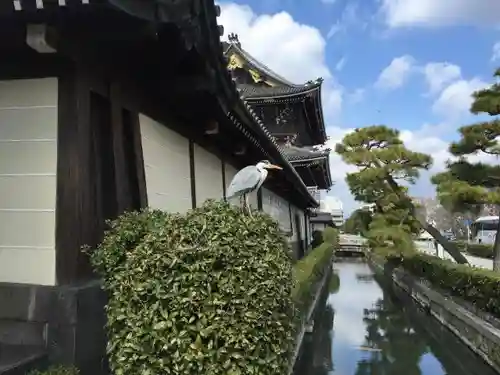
(479, 335)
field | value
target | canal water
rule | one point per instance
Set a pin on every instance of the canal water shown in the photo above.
(363, 329)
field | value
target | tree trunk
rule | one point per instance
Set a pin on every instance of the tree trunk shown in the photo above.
(448, 246)
(496, 250)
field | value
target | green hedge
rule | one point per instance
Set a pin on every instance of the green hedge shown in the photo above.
(331, 236)
(461, 245)
(476, 249)
(478, 286)
(480, 250)
(209, 292)
(307, 272)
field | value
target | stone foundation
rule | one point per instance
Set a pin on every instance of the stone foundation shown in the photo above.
(66, 323)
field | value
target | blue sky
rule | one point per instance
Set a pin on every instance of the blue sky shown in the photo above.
(408, 64)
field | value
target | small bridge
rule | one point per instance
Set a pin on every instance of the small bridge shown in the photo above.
(351, 245)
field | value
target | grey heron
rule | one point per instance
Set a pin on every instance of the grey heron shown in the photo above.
(249, 179)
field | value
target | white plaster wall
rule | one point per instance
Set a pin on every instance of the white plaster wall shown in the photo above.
(295, 236)
(308, 229)
(166, 164)
(278, 208)
(208, 174)
(230, 173)
(302, 223)
(303, 227)
(28, 165)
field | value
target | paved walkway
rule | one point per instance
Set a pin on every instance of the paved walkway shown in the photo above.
(474, 261)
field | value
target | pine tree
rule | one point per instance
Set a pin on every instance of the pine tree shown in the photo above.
(465, 185)
(358, 222)
(385, 166)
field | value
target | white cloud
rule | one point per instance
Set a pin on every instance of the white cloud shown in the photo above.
(455, 100)
(352, 17)
(334, 30)
(396, 73)
(340, 64)
(432, 13)
(496, 52)
(452, 91)
(339, 170)
(357, 95)
(439, 74)
(294, 50)
(424, 141)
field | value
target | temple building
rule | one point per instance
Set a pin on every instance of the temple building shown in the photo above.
(108, 106)
(292, 113)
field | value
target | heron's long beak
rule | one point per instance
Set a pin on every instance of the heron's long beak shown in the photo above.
(273, 166)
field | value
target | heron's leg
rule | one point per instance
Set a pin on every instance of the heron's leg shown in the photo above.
(249, 209)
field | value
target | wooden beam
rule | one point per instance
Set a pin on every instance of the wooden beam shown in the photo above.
(186, 85)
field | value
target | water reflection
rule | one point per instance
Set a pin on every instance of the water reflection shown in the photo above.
(396, 347)
(364, 330)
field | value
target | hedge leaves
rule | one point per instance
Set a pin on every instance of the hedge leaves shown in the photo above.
(208, 292)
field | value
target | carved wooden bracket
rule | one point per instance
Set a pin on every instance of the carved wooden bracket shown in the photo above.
(240, 150)
(41, 38)
(212, 127)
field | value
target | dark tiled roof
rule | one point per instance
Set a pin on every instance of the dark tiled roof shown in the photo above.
(296, 154)
(257, 92)
(322, 217)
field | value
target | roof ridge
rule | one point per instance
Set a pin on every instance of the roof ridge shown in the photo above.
(234, 42)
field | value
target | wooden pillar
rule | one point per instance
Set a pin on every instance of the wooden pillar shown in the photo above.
(123, 189)
(223, 171)
(192, 173)
(100, 171)
(77, 216)
(130, 177)
(259, 200)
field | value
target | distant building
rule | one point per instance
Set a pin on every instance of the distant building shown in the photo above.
(334, 207)
(321, 220)
(368, 207)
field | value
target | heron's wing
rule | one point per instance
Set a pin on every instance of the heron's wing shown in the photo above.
(244, 181)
